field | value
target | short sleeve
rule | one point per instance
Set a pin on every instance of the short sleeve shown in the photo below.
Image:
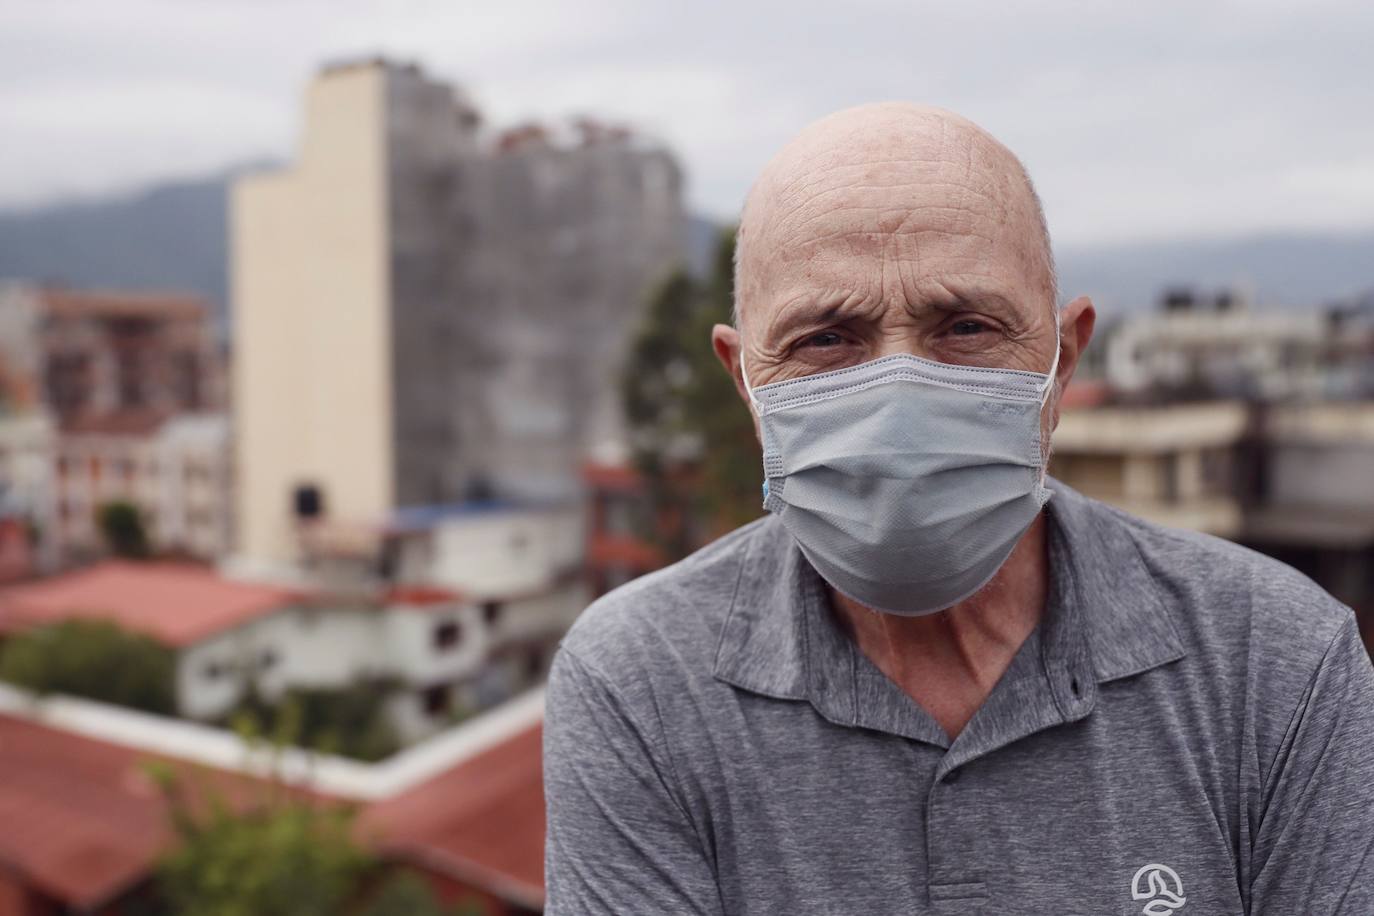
(619, 840)
(1314, 847)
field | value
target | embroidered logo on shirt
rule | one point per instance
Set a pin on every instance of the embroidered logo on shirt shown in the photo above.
(1161, 887)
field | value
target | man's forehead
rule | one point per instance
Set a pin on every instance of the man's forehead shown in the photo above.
(893, 179)
(882, 148)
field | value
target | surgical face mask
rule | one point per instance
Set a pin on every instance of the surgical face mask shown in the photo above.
(905, 482)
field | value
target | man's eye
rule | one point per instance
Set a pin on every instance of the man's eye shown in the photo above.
(823, 339)
(968, 326)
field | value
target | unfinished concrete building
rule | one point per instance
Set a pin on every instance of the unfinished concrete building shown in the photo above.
(425, 311)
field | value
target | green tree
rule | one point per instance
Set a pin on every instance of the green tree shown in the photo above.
(287, 859)
(276, 854)
(349, 720)
(406, 895)
(121, 527)
(693, 439)
(96, 659)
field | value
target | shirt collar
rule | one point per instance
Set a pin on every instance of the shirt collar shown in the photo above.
(778, 639)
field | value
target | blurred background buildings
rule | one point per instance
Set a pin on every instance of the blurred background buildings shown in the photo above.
(306, 466)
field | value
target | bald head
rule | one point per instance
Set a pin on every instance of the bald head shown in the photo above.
(912, 192)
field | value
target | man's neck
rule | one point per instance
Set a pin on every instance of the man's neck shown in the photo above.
(949, 661)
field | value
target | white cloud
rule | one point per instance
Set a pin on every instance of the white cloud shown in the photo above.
(1138, 120)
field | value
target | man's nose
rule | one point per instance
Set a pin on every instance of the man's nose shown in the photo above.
(907, 341)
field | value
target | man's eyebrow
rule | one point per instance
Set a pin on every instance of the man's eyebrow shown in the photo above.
(974, 301)
(812, 313)
(822, 311)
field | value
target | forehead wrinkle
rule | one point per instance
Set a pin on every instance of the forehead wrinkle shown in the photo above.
(782, 222)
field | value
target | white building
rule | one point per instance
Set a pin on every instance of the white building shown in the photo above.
(28, 444)
(1233, 352)
(177, 471)
(479, 598)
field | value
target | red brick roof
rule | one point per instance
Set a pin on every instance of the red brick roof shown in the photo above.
(177, 604)
(481, 822)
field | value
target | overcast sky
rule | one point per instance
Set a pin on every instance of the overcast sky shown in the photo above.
(1137, 120)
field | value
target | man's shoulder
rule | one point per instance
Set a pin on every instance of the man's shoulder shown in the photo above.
(669, 620)
(1230, 602)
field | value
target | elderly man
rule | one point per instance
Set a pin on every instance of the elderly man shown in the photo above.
(932, 680)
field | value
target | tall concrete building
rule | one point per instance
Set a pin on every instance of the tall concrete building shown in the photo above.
(425, 311)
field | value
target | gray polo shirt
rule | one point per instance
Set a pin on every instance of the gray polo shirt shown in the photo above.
(1189, 730)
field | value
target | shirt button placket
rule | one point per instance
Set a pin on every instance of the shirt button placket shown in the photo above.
(955, 885)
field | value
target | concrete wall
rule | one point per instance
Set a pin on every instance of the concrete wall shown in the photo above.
(310, 287)
(570, 242)
(417, 658)
(506, 553)
(1173, 465)
(1322, 455)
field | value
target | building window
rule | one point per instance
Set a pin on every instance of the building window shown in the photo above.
(308, 501)
(436, 700)
(187, 382)
(491, 612)
(214, 671)
(447, 635)
(267, 659)
(534, 663)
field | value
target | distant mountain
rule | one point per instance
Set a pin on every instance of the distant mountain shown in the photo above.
(173, 237)
(1281, 269)
(702, 236)
(169, 237)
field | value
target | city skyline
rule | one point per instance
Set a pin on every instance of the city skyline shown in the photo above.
(1187, 121)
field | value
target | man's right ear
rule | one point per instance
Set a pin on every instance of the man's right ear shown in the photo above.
(725, 341)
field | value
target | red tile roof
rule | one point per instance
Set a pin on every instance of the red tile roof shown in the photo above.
(96, 302)
(177, 604)
(129, 421)
(481, 822)
(421, 595)
(618, 477)
(1085, 394)
(82, 820)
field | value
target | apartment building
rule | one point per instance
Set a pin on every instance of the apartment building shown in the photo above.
(426, 313)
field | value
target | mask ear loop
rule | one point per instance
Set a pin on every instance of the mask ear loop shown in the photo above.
(745, 375)
(748, 389)
(1044, 398)
(1054, 366)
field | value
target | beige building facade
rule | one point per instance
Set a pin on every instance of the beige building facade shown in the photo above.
(310, 290)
